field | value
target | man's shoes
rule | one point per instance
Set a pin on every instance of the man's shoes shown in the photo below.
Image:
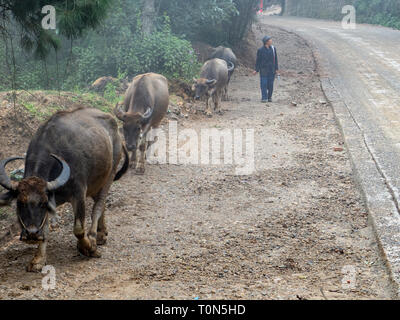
(263, 101)
(269, 100)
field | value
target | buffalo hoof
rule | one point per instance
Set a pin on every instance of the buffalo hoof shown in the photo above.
(95, 254)
(101, 239)
(209, 115)
(35, 266)
(140, 171)
(88, 248)
(132, 165)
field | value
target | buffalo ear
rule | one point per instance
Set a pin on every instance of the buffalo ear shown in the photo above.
(6, 198)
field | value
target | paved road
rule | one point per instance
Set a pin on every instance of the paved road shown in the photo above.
(364, 66)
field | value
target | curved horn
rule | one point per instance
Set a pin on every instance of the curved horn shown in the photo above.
(231, 66)
(118, 112)
(5, 180)
(62, 178)
(213, 81)
(147, 115)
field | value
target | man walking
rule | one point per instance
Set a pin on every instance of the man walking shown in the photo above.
(267, 66)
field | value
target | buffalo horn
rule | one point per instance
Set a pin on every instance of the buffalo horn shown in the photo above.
(5, 180)
(62, 178)
(119, 113)
(147, 115)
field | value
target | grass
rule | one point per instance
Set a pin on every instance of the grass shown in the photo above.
(42, 104)
(36, 111)
(3, 214)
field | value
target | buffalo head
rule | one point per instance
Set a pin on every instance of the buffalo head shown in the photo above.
(35, 199)
(203, 87)
(135, 125)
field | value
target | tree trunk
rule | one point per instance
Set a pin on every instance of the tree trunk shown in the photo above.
(283, 5)
(148, 16)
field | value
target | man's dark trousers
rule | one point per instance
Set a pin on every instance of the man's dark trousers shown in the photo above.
(267, 86)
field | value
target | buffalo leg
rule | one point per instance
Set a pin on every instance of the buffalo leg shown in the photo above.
(85, 246)
(133, 160)
(225, 95)
(39, 261)
(217, 103)
(208, 106)
(219, 110)
(102, 232)
(142, 156)
(150, 143)
(98, 231)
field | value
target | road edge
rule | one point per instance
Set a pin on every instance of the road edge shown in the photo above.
(382, 210)
(377, 196)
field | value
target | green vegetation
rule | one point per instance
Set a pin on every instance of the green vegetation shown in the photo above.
(382, 12)
(73, 19)
(75, 56)
(95, 101)
(40, 105)
(3, 214)
(34, 110)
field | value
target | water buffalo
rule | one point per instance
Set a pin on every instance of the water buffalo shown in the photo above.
(227, 55)
(213, 80)
(74, 155)
(145, 105)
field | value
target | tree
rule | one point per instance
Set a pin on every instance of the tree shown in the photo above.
(73, 18)
(148, 17)
(238, 25)
(213, 21)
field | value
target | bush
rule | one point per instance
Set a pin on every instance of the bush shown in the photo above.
(382, 12)
(117, 46)
(161, 52)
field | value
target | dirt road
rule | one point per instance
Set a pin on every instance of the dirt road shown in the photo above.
(284, 232)
(365, 69)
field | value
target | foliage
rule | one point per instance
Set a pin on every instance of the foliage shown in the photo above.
(239, 24)
(117, 46)
(213, 21)
(382, 12)
(73, 18)
(160, 52)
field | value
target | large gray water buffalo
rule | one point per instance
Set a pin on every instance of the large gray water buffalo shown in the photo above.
(227, 55)
(145, 105)
(212, 83)
(74, 155)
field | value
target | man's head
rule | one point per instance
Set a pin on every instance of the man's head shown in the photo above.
(267, 41)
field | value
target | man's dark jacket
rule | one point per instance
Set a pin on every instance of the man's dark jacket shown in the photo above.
(267, 61)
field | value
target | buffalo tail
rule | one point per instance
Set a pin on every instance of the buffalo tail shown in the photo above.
(125, 167)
